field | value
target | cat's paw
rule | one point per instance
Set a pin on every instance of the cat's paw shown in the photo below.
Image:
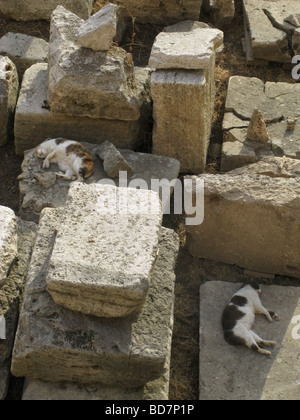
(274, 316)
(46, 164)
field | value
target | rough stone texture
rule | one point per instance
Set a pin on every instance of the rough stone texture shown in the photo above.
(271, 166)
(34, 196)
(10, 298)
(236, 373)
(178, 132)
(101, 264)
(296, 41)
(86, 83)
(24, 50)
(278, 103)
(57, 344)
(251, 221)
(113, 161)
(268, 29)
(102, 29)
(9, 86)
(257, 130)
(35, 10)
(185, 50)
(221, 11)
(157, 12)
(34, 121)
(8, 241)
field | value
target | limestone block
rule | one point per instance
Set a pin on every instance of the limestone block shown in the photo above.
(182, 127)
(113, 161)
(257, 377)
(102, 29)
(35, 196)
(251, 221)
(24, 50)
(104, 270)
(86, 83)
(56, 344)
(221, 11)
(34, 121)
(185, 50)
(8, 241)
(9, 86)
(158, 12)
(35, 10)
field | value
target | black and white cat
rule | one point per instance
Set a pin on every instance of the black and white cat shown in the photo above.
(238, 318)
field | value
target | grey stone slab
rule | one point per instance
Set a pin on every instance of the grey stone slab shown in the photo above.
(8, 241)
(237, 373)
(105, 250)
(56, 344)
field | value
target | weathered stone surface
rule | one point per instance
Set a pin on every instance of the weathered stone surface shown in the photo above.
(221, 11)
(101, 265)
(257, 130)
(35, 197)
(113, 161)
(257, 377)
(185, 50)
(56, 344)
(250, 221)
(86, 83)
(178, 132)
(278, 103)
(9, 86)
(270, 30)
(10, 298)
(296, 41)
(42, 9)
(271, 166)
(102, 29)
(34, 121)
(8, 241)
(155, 11)
(24, 50)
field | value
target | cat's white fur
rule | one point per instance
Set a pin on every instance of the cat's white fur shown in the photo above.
(70, 164)
(242, 316)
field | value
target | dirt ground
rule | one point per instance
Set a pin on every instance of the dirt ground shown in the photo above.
(191, 272)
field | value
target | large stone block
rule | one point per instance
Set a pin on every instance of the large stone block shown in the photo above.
(257, 377)
(9, 86)
(34, 121)
(182, 127)
(251, 221)
(221, 11)
(56, 344)
(101, 265)
(83, 82)
(156, 11)
(24, 50)
(8, 241)
(42, 9)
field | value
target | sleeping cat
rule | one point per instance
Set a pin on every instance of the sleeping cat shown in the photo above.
(73, 159)
(238, 318)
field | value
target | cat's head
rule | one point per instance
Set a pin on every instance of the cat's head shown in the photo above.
(42, 150)
(255, 285)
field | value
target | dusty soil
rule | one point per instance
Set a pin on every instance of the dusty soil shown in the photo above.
(191, 272)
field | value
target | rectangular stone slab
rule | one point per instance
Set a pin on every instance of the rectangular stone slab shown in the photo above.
(105, 249)
(237, 373)
(252, 221)
(8, 241)
(56, 344)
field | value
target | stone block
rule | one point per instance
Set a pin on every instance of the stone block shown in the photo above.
(24, 50)
(182, 127)
(35, 10)
(251, 221)
(102, 29)
(56, 344)
(257, 377)
(8, 241)
(34, 121)
(185, 50)
(37, 193)
(113, 161)
(86, 83)
(9, 86)
(157, 12)
(101, 265)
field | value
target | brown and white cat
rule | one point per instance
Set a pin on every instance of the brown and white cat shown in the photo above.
(73, 159)
(238, 319)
